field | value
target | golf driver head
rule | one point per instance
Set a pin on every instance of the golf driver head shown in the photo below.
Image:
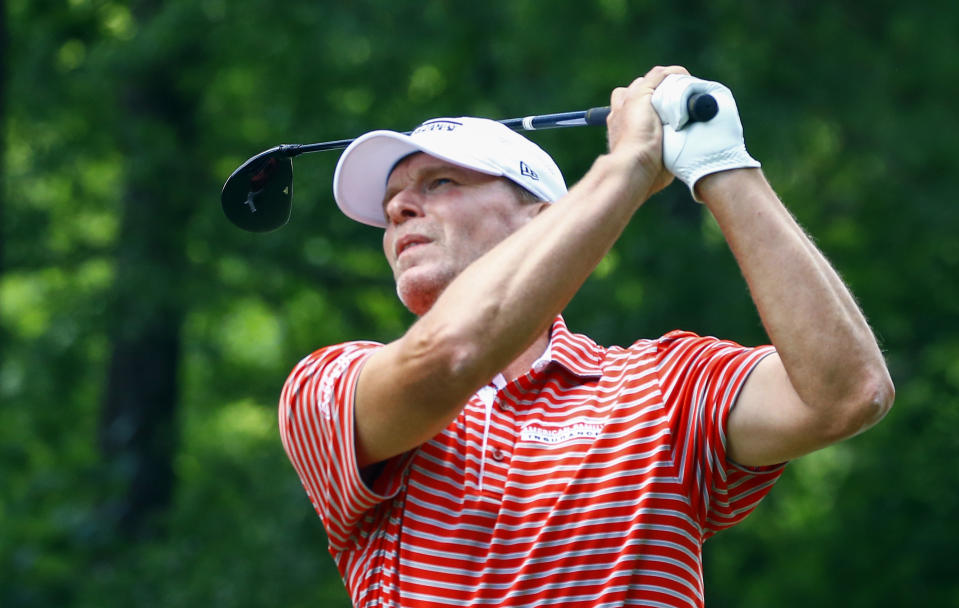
(258, 197)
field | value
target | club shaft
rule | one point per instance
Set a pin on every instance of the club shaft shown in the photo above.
(581, 118)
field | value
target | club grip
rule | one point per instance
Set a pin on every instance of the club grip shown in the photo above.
(702, 107)
(596, 117)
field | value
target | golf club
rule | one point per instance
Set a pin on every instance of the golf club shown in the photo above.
(258, 196)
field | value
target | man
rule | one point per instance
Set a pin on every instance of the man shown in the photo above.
(491, 457)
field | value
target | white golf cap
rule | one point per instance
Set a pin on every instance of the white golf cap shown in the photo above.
(487, 146)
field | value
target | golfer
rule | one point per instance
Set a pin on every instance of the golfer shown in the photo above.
(490, 456)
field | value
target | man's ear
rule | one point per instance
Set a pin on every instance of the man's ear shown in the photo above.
(540, 207)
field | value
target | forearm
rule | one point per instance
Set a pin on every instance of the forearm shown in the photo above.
(827, 348)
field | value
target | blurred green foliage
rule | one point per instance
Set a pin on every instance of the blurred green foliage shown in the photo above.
(848, 105)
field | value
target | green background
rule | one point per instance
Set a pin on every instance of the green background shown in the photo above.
(144, 339)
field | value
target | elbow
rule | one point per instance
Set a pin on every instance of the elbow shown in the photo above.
(442, 353)
(461, 350)
(870, 401)
(885, 395)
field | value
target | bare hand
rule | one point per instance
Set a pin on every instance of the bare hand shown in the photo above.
(634, 128)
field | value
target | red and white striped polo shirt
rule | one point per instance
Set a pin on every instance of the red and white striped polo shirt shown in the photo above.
(603, 471)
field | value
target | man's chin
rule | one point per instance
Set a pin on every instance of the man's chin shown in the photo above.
(417, 291)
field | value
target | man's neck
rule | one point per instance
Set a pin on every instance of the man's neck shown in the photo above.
(522, 363)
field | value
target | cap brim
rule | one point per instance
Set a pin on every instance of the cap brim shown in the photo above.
(359, 183)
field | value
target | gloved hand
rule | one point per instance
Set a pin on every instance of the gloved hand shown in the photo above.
(694, 150)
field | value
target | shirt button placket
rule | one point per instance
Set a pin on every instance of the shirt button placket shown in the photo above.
(503, 403)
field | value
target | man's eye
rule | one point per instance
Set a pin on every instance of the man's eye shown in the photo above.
(439, 181)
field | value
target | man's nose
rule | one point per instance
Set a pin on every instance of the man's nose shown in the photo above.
(404, 205)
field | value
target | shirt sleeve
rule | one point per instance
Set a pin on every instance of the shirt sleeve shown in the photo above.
(316, 428)
(701, 378)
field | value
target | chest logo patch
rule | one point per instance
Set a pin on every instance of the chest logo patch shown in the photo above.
(560, 434)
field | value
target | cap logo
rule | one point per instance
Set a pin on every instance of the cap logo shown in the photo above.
(436, 125)
(525, 170)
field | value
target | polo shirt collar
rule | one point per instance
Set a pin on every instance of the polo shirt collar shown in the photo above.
(577, 353)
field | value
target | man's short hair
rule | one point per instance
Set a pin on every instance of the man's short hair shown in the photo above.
(525, 195)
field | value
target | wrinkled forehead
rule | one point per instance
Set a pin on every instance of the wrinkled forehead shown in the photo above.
(405, 161)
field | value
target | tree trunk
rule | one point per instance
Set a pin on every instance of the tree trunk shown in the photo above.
(138, 428)
(138, 425)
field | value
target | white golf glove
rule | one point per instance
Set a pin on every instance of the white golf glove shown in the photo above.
(694, 150)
